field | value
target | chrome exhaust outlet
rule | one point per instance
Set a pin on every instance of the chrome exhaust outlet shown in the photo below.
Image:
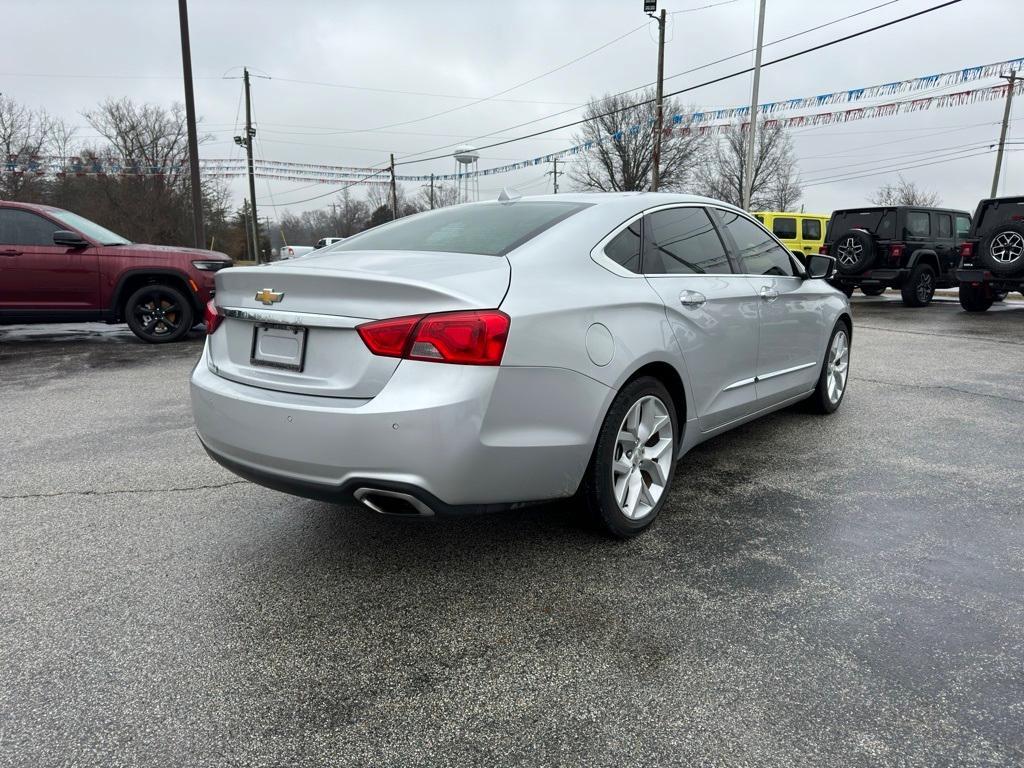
(392, 503)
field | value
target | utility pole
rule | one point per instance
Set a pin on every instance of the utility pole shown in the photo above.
(190, 118)
(250, 132)
(555, 174)
(659, 110)
(748, 175)
(431, 191)
(394, 191)
(1012, 80)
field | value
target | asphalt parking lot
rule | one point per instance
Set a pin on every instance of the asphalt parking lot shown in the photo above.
(819, 591)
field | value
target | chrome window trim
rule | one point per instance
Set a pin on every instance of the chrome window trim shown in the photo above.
(284, 317)
(598, 256)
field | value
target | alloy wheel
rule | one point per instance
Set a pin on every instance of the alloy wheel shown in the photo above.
(1007, 247)
(642, 463)
(158, 313)
(837, 367)
(925, 287)
(849, 252)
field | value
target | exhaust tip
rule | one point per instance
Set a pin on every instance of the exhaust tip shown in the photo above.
(393, 503)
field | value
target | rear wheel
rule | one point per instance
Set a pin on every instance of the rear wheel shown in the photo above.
(631, 471)
(846, 289)
(835, 372)
(975, 298)
(158, 313)
(998, 296)
(872, 290)
(919, 288)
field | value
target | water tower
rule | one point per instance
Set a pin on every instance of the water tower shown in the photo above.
(467, 165)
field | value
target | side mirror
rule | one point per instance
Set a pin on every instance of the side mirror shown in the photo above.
(820, 266)
(69, 239)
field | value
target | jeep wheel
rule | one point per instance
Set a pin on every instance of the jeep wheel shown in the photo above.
(1002, 250)
(846, 289)
(854, 251)
(158, 313)
(919, 288)
(975, 298)
(998, 296)
(872, 290)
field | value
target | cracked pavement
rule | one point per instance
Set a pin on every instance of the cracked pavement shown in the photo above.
(818, 591)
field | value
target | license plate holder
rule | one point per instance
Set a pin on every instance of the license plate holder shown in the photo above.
(279, 346)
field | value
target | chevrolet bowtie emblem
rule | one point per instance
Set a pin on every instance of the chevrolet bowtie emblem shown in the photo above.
(268, 296)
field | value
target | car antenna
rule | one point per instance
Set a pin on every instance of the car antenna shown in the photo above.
(508, 195)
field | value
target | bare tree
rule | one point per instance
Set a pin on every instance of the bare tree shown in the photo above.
(24, 138)
(444, 195)
(776, 179)
(619, 130)
(904, 192)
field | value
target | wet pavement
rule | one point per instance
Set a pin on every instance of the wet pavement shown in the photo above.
(846, 590)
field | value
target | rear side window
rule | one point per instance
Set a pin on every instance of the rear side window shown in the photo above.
(784, 228)
(811, 229)
(19, 227)
(758, 253)
(488, 229)
(918, 224)
(624, 248)
(680, 241)
(963, 226)
(944, 222)
(994, 214)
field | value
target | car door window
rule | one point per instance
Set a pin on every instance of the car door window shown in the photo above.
(757, 252)
(19, 227)
(918, 224)
(811, 229)
(680, 241)
(784, 227)
(624, 248)
(945, 225)
(963, 226)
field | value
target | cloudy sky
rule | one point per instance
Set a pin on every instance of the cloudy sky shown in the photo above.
(445, 54)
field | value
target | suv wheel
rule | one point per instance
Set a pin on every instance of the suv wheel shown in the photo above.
(920, 286)
(872, 290)
(998, 296)
(1002, 250)
(158, 313)
(975, 298)
(631, 470)
(835, 372)
(854, 251)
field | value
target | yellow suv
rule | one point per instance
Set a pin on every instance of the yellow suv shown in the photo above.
(801, 232)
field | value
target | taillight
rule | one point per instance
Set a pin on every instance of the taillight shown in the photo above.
(823, 249)
(212, 317)
(475, 337)
(967, 250)
(896, 252)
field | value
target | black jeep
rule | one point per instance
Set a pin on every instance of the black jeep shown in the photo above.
(910, 248)
(992, 255)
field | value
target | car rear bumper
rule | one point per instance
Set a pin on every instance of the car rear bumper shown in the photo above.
(457, 436)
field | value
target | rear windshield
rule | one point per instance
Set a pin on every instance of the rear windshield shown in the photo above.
(488, 229)
(992, 215)
(880, 222)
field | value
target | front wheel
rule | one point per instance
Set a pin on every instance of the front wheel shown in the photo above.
(835, 372)
(631, 470)
(920, 286)
(158, 313)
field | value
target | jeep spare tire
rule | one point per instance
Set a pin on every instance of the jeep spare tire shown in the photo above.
(1002, 250)
(854, 251)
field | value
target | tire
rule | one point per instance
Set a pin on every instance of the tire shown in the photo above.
(846, 289)
(835, 370)
(620, 464)
(998, 296)
(975, 298)
(1002, 250)
(872, 290)
(158, 313)
(919, 288)
(854, 251)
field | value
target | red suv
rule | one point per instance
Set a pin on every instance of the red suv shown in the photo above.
(56, 267)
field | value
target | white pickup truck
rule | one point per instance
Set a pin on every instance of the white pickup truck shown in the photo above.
(323, 242)
(294, 251)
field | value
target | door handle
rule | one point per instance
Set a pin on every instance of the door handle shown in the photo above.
(10, 252)
(692, 299)
(768, 294)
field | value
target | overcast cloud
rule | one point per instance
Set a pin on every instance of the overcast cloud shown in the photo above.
(69, 55)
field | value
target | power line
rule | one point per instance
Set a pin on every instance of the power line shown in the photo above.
(706, 83)
(842, 177)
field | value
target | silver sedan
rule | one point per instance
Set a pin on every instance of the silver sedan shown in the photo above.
(490, 354)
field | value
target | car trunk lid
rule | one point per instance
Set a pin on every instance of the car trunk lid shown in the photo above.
(291, 326)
